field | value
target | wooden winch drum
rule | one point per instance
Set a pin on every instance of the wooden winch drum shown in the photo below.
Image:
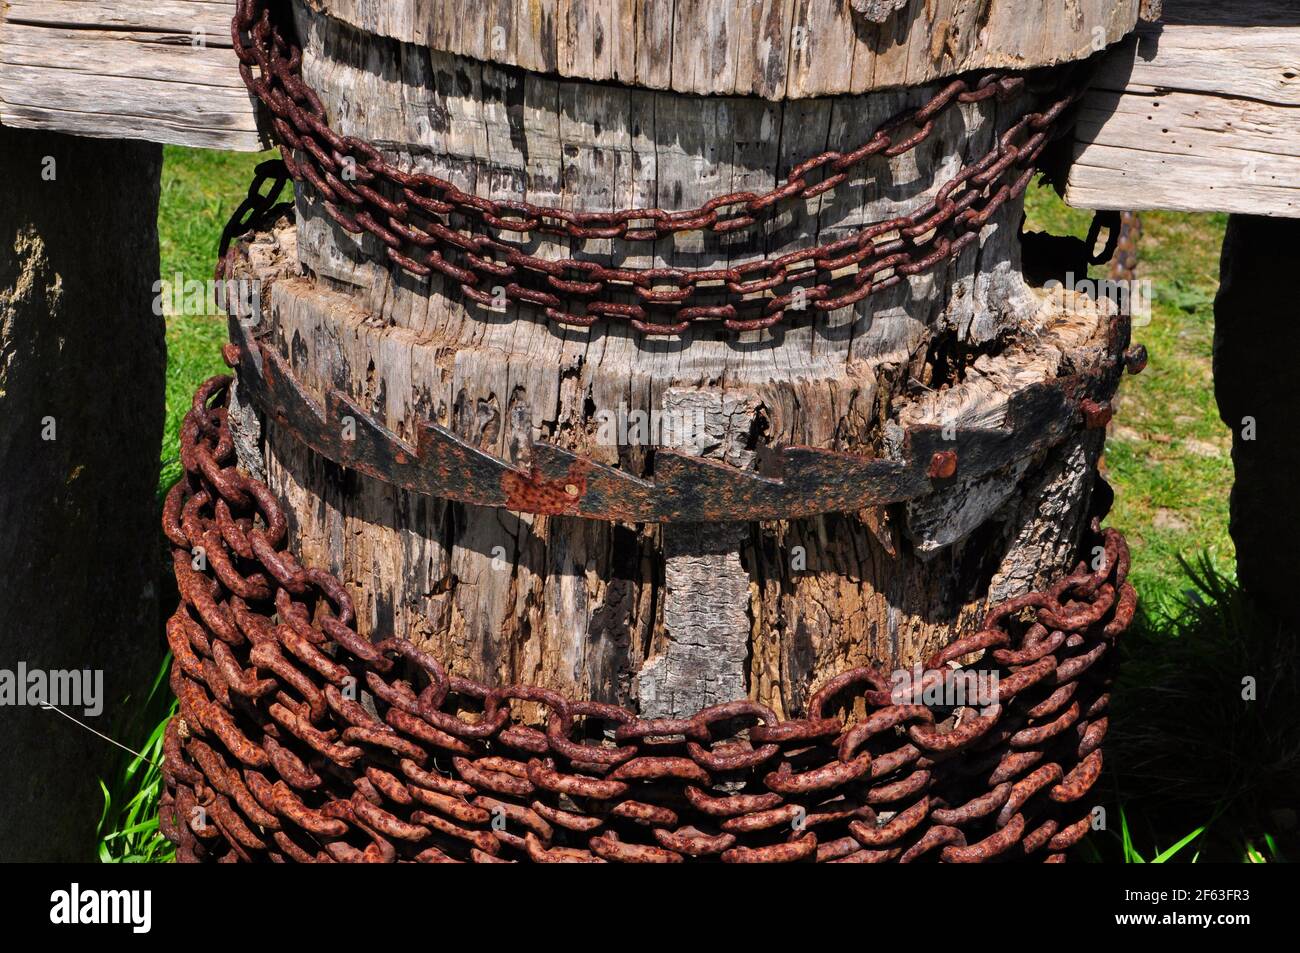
(599, 104)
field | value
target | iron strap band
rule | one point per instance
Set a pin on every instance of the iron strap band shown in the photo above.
(798, 481)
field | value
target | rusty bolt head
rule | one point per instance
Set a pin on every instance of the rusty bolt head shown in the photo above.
(943, 465)
(1096, 416)
(1135, 359)
(230, 354)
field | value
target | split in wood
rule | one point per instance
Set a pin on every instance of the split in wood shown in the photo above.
(684, 488)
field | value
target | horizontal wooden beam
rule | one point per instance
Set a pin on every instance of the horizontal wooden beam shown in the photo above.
(160, 70)
(163, 69)
(1198, 112)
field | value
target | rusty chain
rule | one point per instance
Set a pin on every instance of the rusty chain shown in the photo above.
(260, 206)
(298, 740)
(426, 224)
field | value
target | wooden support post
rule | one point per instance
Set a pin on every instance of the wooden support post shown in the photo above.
(1256, 335)
(81, 410)
(667, 619)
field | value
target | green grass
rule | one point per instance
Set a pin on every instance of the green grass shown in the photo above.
(200, 190)
(128, 827)
(1168, 454)
(1203, 727)
(1200, 763)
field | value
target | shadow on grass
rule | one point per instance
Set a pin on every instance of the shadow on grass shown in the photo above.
(128, 826)
(1204, 745)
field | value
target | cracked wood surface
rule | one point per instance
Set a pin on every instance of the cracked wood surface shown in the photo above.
(776, 49)
(699, 659)
(580, 605)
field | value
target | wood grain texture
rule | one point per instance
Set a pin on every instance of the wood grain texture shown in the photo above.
(776, 49)
(133, 69)
(701, 655)
(588, 607)
(502, 132)
(1198, 113)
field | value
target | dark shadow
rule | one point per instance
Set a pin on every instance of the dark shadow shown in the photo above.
(1232, 13)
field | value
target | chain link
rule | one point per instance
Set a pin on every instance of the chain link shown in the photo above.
(298, 740)
(427, 225)
(260, 207)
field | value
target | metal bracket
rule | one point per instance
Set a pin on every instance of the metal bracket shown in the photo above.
(808, 480)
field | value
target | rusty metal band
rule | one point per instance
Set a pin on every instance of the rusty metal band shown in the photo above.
(427, 226)
(299, 741)
(795, 481)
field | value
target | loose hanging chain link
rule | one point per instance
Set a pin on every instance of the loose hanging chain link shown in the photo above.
(260, 207)
(426, 224)
(299, 740)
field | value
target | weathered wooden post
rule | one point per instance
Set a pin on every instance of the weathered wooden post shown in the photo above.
(874, 429)
(81, 378)
(589, 606)
(81, 389)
